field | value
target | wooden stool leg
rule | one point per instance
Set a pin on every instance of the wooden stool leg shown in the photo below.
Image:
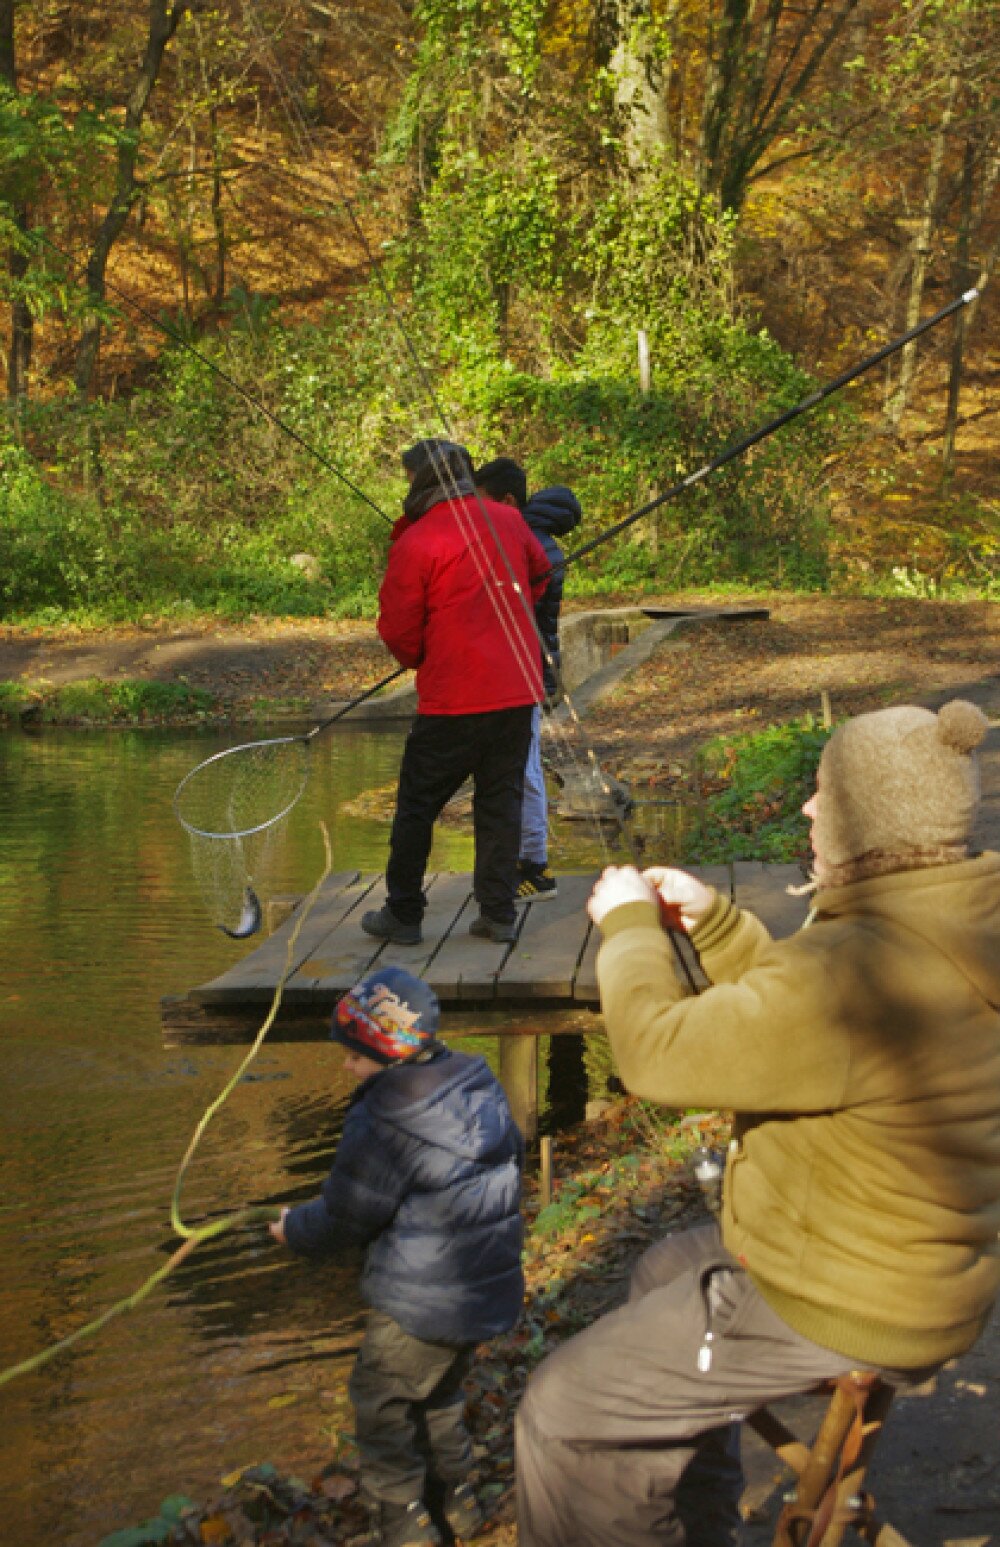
(796, 1529)
(850, 1499)
(832, 1471)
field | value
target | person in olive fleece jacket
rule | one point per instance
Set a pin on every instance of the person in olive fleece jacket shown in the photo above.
(861, 1202)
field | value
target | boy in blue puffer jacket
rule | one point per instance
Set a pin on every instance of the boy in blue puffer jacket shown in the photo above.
(427, 1177)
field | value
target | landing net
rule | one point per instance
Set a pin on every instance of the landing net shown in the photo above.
(233, 807)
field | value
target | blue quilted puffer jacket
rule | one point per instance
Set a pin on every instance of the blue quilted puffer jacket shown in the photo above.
(551, 513)
(427, 1176)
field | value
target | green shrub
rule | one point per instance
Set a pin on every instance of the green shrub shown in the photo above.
(50, 544)
(753, 789)
(14, 698)
(129, 701)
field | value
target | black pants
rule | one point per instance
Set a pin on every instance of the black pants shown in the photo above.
(409, 1410)
(442, 751)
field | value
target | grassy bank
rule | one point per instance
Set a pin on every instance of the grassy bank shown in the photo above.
(91, 701)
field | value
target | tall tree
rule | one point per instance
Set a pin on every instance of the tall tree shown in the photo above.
(763, 61)
(940, 88)
(627, 49)
(922, 251)
(21, 325)
(164, 19)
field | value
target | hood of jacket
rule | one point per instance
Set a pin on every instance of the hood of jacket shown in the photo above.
(951, 908)
(453, 1103)
(555, 511)
(440, 470)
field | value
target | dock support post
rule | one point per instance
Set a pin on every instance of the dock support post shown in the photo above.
(519, 1078)
(545, 1171)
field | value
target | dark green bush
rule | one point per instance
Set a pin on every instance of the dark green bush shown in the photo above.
(753, 788)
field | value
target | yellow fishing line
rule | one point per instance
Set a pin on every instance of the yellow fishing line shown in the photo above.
(193, 1235)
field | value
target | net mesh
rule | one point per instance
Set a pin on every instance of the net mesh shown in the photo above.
(232, 807)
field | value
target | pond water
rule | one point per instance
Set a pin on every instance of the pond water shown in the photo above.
(242, 1356)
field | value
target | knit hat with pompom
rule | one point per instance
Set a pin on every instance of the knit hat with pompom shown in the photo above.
(897, 789)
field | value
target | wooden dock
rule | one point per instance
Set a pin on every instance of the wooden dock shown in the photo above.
(550, 966)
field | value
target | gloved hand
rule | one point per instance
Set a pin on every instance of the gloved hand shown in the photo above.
(691, 897)
(618, 884)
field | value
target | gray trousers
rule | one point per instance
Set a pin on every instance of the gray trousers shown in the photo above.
(409, 1411)
(629, 1433)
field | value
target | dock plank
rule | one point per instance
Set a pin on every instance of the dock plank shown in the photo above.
(344, 956)
(447, 898)
(762, 889)
(253, 979)
(464, 966)
(552, 962)
(549, 944)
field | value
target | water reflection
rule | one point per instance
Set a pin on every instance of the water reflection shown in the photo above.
(98, 918)
(242, 1356)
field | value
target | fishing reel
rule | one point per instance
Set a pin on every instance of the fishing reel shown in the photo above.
(709, 1167)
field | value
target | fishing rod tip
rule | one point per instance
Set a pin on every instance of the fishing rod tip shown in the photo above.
(969, 296)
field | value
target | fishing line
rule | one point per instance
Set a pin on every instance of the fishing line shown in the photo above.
(729, 454)
(177, 338)
(502, 608)
(195, 1235)
(739, 447)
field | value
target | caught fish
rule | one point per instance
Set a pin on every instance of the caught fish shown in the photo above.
(251, 918)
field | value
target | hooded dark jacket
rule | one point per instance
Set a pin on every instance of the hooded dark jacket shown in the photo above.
(551, 513)
(427, 1177)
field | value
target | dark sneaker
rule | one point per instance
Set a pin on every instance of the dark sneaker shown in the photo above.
(384, 925)
(404, 1525)
(462, 1511)
(493, 929)
(535, 882)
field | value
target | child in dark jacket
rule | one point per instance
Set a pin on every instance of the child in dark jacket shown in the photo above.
(549, 513)
(427, 1178)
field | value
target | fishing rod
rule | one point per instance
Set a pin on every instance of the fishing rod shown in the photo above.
(753, 439)
(737, 450)
(178, 338)
(692, 479)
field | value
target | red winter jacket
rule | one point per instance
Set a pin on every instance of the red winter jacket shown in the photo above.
(447, 606)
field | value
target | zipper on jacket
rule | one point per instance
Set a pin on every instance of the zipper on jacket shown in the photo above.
(706, 1350)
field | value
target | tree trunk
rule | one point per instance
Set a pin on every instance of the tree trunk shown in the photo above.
(22, 325)
(164, 20)
(761, 63)
(962, 239)
(21, 320)
(218, 216)
(626, 44)
(896, 405)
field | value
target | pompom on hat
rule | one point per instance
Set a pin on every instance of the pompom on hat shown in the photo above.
(388, 1016)
(897, 789)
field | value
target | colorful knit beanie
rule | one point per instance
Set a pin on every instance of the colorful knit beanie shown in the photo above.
(897, 789)
(389, 1015)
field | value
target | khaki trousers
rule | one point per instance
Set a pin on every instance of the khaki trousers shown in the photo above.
(628, 1434)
